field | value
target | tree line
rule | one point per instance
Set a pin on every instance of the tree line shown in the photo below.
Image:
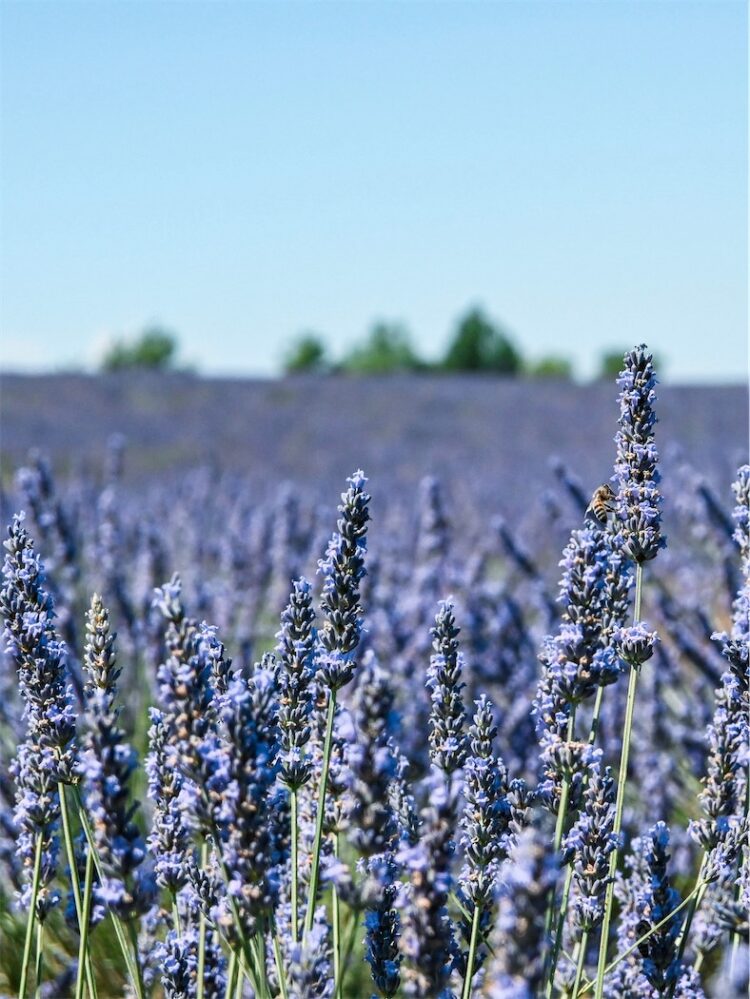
(478, 344)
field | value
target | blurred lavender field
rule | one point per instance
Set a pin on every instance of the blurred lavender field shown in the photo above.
(488, 439)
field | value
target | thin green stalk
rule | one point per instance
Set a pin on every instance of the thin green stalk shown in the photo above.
(176, 912)
(581, 961)
(231, 975)
(559, 931)
(352, 931)
(84, 962)
(131, 957)
(260, 943)
(595, 717)
(70, 856)
(696, 899)
(549, 921)
(202, 930)
(593, 732)
(315, 871)
(295, 863)
(620, 800)
(466, 994)
(336, 917)
(39, 962)
(626, 953)
(31, 917)
(279, 966)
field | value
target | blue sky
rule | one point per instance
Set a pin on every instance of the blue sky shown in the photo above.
(243, 171)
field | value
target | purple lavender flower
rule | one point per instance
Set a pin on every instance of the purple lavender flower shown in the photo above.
(655, 899)
(48, 755)
(170, 840)
(638, 513)
(107, 765)
(487, 813)
(372, 762)
(343, 569)
(588, 846)
(447, 715)
(383, 924)
(427, 937)
(295, 653)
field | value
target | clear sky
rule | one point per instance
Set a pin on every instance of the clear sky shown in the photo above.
(242, 171)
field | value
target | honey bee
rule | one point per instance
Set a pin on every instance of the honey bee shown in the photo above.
(601, 505)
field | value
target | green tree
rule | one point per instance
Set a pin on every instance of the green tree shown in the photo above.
(306, 354)
(155, 348)
(388, 348)
(551, 366)
(479, 345)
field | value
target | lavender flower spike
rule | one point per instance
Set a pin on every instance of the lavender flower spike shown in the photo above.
(47, 755)
(107, 764)
(296, 652)
(447, 715)
(343, 569)
(638, 513)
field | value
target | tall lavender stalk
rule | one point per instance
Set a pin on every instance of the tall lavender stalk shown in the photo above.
(46, 760)
(342, 569)
(296, 652)
(638, 521)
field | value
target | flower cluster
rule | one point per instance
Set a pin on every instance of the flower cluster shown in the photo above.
(638, 513)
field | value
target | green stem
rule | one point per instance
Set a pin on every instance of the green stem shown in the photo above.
(31, 917)
(549, 921)
(315, 871)
(594, 730)
(696, 899)
(176, 912)
(39, 962)
(295, 864)
(84, 961)
(279, 966)
(131, 957)
(350, 940)
(70, 856)
(581, 961)
(202, 930)
(466, 994)
(231, 975)
(336, 916)
(559, 931)
(620, 800)
(626, 953)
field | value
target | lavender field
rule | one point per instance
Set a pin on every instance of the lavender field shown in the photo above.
(272, 726)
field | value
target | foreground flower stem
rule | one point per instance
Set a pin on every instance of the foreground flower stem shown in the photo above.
(295, 862)
(131, 957)
(696, 898)
(620, 801)
(626, 953)
(202, 930)
(466, 994)
(559, 829)
(84, 958)
(581, 961)
(315, 871)
(336, 914)
(39, 962)
(31, 918)
(231, 975)
(279, 965)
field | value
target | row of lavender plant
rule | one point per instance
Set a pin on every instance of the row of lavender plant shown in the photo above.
(346, 803)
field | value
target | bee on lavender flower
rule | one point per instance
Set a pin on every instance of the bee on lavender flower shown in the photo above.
(601, 505)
